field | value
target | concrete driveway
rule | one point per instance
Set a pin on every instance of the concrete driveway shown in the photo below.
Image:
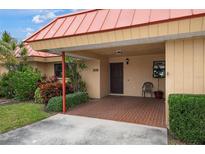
(68, 129)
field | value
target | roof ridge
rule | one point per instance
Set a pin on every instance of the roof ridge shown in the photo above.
(76, 13)
(34, 53)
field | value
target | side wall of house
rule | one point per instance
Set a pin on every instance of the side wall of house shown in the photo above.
(138, 71)
(185, 64)
(185, 67)
(49, 69)
(2, 69)
(91, 75)
(45, 68)
(38, 65)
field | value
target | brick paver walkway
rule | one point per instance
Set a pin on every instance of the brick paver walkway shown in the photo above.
(147, 111)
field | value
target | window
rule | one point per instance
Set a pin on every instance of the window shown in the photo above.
(159, 69)
(58, 70)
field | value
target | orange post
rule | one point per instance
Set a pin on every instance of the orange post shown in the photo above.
(63, 82)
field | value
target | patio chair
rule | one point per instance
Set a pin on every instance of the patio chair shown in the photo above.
(147, 88)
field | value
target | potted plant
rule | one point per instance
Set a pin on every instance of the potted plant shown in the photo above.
(159, 72)
(158, 94)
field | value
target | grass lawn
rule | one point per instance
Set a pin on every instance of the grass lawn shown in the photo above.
(17, 115)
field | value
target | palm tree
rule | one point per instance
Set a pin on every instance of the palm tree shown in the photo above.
(73, 71)
(8, 45)
(7, 50)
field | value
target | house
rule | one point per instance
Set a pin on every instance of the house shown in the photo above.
(120, 48)
(47, 63)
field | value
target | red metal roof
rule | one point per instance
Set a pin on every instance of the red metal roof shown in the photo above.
(33, 53)
(99, 20)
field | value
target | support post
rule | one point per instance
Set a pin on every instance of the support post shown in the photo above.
(63, 82)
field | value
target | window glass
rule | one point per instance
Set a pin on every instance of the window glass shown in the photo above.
(58, 69)
(158, 69)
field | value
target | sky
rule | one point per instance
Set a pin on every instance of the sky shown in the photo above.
(22, 23)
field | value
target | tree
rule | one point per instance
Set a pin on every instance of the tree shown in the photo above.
(7, 51)
(8, 46)
(74, 67)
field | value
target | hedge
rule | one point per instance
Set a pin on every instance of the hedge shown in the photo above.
(72, 100)
(187, 117)
(19, 84)
(24, 83)
(6, 86)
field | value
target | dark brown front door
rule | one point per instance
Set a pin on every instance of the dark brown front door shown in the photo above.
(116, 78)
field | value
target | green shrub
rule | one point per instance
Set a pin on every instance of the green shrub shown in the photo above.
(37, 96)
(72, 100)
(187, 117)
(6, 86)
(82, 86)
(24, 83)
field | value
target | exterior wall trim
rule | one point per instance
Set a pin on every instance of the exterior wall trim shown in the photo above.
(131, 42)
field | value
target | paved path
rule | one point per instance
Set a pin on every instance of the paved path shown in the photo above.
(68, 129)
(6, 101)
(138, 110)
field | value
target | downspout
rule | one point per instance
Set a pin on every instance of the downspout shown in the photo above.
(63, 82)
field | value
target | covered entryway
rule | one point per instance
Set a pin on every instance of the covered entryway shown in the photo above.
(138, 38)
(147, 111)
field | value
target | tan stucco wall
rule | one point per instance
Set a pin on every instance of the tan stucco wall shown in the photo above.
(49, 69)
(91, 75)
(45, 60)
(138, 71)
(40, 66)
(2, 69)
(45, 68)
(185, 66)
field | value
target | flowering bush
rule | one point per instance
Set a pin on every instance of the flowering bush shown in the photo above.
(50, 87)
(46, 79)
(49, 90)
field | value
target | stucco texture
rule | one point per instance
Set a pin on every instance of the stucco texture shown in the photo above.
(138, 71)
(45, 68)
